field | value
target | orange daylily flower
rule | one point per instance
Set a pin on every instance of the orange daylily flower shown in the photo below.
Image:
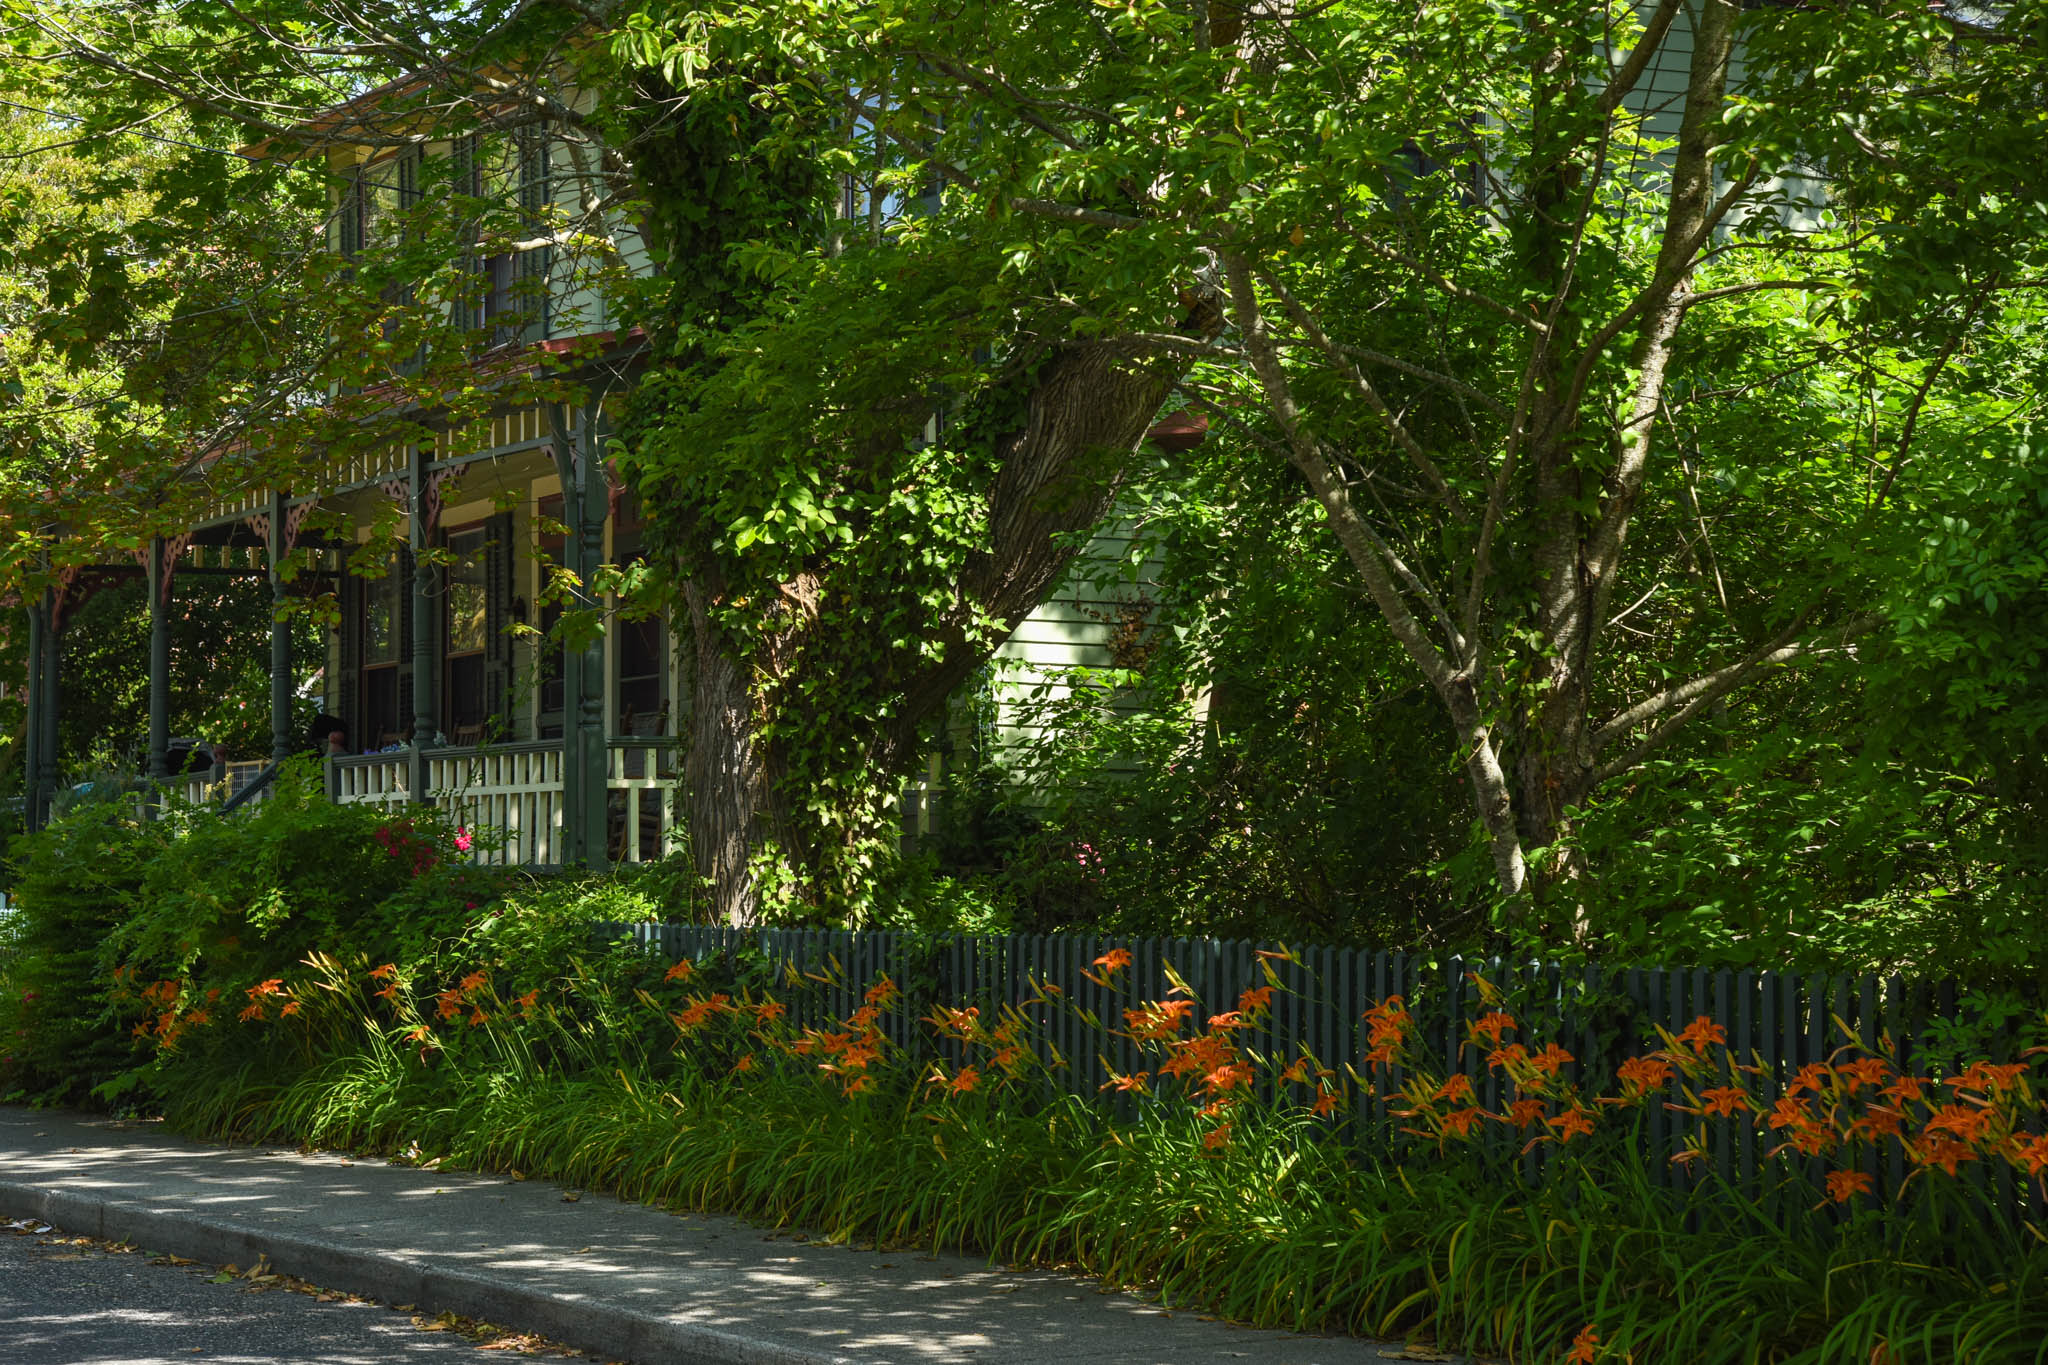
(1964, 1122)
(1573, 1122)
(1942, 1152)
(1861, 1072)
(1159, 1021)
(679, 971)
(1701, 1032)
(2030, 1151)
(1585, 1346)
(1216, 1137)
(1809, 1078)
(1846, 1185)
(1988, 1076)
(1227, 1078)
(1905, 1089)
(1492, 1025)
(1457, 1089)
(1724, 1100)
(966, 1081)
(1460, 1122)
(1640, 1075)
(1115, 960)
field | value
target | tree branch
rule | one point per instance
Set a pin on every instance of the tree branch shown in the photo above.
(1691, 696)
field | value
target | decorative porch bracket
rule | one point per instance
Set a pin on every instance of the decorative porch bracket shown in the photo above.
(584, 755)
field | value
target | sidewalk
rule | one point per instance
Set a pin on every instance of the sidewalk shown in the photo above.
(622, 1280)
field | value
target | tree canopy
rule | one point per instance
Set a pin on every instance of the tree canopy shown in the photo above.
(1638, 361)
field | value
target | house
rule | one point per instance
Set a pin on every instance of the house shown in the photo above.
(440, 674)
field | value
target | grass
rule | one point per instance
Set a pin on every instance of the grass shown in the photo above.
(1279, 1226)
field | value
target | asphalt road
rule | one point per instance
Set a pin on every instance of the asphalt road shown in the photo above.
(67, 1303)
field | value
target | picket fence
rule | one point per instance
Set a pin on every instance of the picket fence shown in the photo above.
(1779, 1021)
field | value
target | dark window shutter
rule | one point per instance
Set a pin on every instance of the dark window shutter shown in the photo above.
(465, 176)
(498, 594)
(406, 710)
(533, 265)
(351, 602)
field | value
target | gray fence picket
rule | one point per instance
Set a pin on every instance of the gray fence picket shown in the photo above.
(1775, 1022)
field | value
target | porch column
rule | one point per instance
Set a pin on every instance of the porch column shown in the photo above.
(583, 739)
(158, 581)
(280, 639)
(53, 656)
(32, 728)
(425, 722)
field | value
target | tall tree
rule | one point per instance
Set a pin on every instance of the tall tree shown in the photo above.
(927, 273)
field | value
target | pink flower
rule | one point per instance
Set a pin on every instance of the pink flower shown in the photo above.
(462, 839)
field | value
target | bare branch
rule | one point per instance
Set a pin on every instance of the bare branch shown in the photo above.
(1691, 696)
(1396, 428)
(1639, 57)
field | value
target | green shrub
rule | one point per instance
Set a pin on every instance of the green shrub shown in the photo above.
(75, 885)
(121, 919)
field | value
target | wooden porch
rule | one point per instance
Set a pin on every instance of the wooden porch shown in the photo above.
(513, 795)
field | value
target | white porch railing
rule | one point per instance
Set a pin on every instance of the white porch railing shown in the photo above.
(516, 788)
(371, 779)
(641, 776)
(217, 784)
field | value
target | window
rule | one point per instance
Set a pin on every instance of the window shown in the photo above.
(382, 610)
(507, 297)
(381, 630)
(553, 691)
(640, 660)
(465, 630)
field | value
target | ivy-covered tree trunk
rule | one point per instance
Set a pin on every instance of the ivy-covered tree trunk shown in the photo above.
(859, 479)
(763, 807)
(723, 769)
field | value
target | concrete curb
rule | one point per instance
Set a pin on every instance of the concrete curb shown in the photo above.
(613, 1332)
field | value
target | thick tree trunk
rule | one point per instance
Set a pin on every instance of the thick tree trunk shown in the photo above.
(1089, 410)
(724, 771)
